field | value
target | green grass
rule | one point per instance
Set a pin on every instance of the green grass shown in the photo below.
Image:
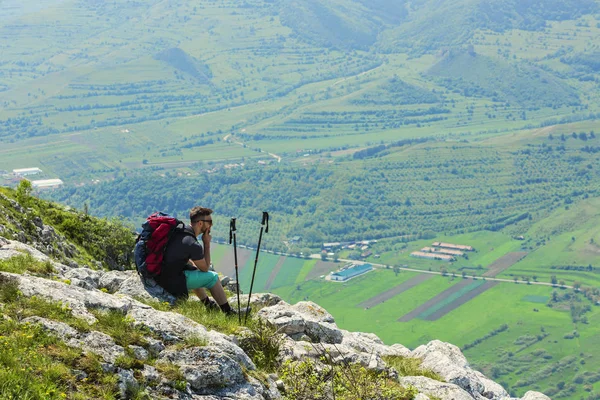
(26, 263)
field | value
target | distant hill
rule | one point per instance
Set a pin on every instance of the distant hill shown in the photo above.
(433, 24)
(475, 75)
(185, 63)
(397, 92)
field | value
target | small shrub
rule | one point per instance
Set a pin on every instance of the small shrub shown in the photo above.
(263, 345)
(306, 381)
(9, 289)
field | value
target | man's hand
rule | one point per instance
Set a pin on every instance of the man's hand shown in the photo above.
(206, 237)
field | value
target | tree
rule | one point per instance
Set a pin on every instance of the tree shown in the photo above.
(561, 283)
(324, 256)
(553, 280)
(306, 252)
(336, 257)
(534, 278)
(464, 274)
(24, 192)
(576, 285)
(396, 270)
(516, 279)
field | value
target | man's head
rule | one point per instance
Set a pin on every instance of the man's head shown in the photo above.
(201, 219)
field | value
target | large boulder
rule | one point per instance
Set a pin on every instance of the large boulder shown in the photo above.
(13, 248)
(84, 277)
(94, 342)
(535, 396)
(370, 343)
(148, 290)
(205, 367)
(336, 353)
(447, 360)
(77, 298)
(433, 388)
(303, 319)
(112, 280)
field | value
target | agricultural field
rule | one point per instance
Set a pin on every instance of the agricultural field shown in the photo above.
(526, 336)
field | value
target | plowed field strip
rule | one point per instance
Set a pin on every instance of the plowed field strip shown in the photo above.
(322, 268)
(504, 262)
(227, 264)
(460, 301)
(439, 298)
(274, 272)
(388, 294)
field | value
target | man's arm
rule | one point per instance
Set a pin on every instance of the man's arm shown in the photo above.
(204, 263)
(206, 238)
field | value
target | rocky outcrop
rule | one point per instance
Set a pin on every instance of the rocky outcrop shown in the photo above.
(448, 361)
(218, 368)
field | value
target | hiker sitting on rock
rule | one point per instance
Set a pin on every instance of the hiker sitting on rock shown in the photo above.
(186, 263)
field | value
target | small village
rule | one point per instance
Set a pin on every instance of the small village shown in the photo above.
(18, 174)
(442, 251)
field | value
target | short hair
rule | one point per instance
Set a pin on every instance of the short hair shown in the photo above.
(198, 211)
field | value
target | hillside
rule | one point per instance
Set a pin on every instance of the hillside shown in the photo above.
(74, 339)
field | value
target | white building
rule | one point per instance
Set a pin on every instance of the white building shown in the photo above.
(26, 171)
(47, 183)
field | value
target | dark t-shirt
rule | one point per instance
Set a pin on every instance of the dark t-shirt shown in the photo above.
(181, 248)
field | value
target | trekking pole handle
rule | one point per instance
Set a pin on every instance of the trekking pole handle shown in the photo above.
(265, 220)
(231, 229)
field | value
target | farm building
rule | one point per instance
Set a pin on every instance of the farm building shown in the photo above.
(432, 256)
(453, 246)
(351, 272)
(47, 183)
(442, 251)
(26, 171)
(331, 245)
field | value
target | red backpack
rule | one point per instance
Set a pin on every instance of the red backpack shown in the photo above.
(152, 242)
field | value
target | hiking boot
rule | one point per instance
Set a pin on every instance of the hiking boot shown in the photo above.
(211, 305)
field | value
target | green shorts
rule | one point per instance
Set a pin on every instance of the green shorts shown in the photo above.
(197, 279)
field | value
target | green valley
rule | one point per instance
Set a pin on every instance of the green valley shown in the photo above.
(394, 123)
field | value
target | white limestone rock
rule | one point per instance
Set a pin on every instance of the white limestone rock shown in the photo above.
(258, 300)
(150, 374)
(84, 277)
(139, 352)
(531, 395)
(59, 329)
(370, 343)
(300, 351)
(112, 280)
(433, 388)
(101, 344)
(448, 361)
(205, 367)
(78, 299)
(134, 287)
(126, 380)
(303, 318)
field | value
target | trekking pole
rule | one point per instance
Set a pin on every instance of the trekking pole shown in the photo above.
(232, 235)
(265, 220)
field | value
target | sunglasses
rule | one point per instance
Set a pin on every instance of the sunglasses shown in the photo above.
(204, 220)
